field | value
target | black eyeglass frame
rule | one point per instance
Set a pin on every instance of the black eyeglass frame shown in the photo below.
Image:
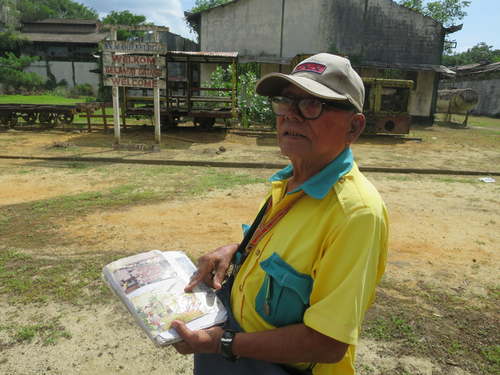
(324, 103)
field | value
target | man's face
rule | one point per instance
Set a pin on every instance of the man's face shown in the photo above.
(317, 141)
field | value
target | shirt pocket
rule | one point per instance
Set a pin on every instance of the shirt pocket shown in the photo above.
(284, 295)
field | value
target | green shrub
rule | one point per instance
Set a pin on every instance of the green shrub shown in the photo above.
(14, 79)
(84, 89)
(253, 108)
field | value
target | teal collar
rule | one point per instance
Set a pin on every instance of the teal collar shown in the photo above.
(320, 184)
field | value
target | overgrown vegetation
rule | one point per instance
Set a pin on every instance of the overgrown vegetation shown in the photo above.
(13, 76)
(447, 12)
(40, 279)
(253, 108)
(201, 5)
(479, 54)
(33, 10)
(125, 17)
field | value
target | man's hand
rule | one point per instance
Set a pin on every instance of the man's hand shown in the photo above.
(202, 341)
(212, 267)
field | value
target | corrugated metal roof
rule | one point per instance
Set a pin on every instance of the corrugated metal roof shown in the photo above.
(471, 69)
(93, 38)
(204, 54)
(201, 57)
(64, 21)
(404, 66)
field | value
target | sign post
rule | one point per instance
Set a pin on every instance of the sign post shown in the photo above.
(134, 64)
(156, 98)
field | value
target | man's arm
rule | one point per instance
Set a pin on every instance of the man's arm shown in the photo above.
(290, 344)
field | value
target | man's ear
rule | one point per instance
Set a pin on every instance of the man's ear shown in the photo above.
(357, 125)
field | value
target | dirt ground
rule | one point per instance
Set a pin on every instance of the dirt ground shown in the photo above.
(444, 234)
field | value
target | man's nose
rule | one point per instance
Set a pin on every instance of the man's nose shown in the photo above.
(293, 113)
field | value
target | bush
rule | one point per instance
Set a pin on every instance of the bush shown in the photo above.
(60, 91)
(14, 79)
(84, 89)
(253, 108)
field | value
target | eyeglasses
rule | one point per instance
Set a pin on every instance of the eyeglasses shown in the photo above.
(309, 108)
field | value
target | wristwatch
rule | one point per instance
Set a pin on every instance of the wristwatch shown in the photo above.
(226, 345)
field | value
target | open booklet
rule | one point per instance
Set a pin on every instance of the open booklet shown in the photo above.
(151, 286)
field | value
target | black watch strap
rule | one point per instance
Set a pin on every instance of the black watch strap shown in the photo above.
(226, 345)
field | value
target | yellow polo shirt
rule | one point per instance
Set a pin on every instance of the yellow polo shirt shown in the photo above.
(322, 261)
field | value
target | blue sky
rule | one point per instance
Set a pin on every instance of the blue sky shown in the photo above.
(480, 25)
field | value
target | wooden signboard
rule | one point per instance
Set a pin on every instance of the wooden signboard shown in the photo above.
(126, 64)
(119, 46)
(134, 60)
(126, 71)
(146, 83)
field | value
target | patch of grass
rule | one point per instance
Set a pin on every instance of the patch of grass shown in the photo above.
(36, 279)
(78, 165)
(492, 355)
(460, 180)
(398, 177)
(144, 185)
(24, 171)
(215, 179)
(119, 196)
(454, 335)
(159, 171)
(38, 99)
(48, 333)
(390, 328)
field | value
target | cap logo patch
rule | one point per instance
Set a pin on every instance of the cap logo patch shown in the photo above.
(310, 67)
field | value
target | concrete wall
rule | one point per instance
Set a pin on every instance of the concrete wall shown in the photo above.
(372, 30)
(488, 90)
(251, 27)
(75, 73)
(420, 103)
(392, 33)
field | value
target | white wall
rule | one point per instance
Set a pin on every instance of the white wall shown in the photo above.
(488, 90)
(421, 97)
(248, 26)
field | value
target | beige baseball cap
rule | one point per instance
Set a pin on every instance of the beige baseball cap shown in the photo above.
(323, 75)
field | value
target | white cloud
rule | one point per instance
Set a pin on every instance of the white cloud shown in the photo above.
(168, 13)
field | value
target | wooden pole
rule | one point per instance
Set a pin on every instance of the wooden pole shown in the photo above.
(116, 102)
(116, 113)
(156, 99)
(123, 107)
(104, 119)
(89, 124)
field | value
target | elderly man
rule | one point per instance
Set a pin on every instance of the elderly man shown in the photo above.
(306, 272)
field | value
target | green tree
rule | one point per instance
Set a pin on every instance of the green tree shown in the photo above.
(11, 40)
(448, 12)
(33, 10)
(480, 53)
(13, 77)
(201, 5)
(125, 18)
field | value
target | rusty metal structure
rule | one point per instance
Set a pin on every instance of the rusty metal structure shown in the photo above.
(186, 97)
(42, 114)
(386, 105)
(459, 101)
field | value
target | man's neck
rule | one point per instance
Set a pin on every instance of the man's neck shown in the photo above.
(303, 170)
